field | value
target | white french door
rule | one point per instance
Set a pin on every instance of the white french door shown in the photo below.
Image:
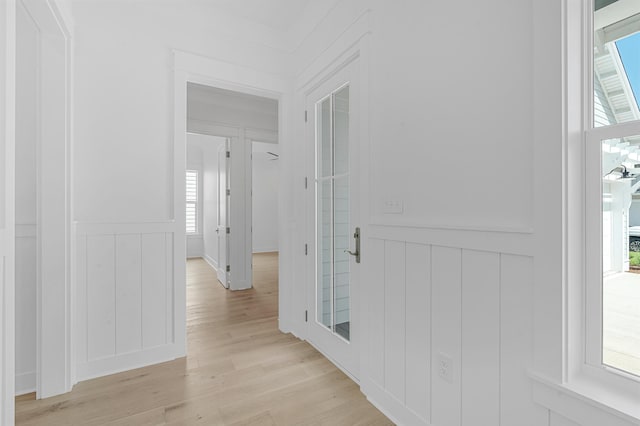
(333, 266)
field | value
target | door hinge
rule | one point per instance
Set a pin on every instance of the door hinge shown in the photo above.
(306, 316)
(306, 249)
(228, 154)
(228, 268)
(228, 230)
(305, 116)
(306, 182)
(228, 192)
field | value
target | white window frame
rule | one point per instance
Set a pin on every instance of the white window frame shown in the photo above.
(584, 369)
(196, 203)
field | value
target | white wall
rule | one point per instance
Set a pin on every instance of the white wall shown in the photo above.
(133, 67)
(265, 197)
(26, 221)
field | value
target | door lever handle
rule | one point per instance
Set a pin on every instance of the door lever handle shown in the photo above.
(356, 236)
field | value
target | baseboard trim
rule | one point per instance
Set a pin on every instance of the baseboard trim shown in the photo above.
(265, 250)
(211, 262)
(395, 410)
(25, 383)
(125, 362)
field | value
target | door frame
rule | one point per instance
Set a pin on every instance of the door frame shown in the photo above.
(191, 68)
(7, 216)
(55, 372)
(222, 242)
(352, 47)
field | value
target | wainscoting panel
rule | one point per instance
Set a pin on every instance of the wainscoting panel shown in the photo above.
(125, 290)
(480, 362)
(26, 308)
(446, 338)
(394, 325)
(458, 331)
(376, 314)
(418, 323)
(128, 293)
(516, 340)
(101, 297)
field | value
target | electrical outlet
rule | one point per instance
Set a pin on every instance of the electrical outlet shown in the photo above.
(445, 367)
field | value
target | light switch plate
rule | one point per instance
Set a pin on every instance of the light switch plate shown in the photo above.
(393, 207)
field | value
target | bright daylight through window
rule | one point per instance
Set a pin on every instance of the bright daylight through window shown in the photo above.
(616, 89)
(192, 201)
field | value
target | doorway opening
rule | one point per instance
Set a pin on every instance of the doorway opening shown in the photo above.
(223, 128)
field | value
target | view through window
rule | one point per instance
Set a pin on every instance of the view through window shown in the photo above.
(616, 92)
(191, 192)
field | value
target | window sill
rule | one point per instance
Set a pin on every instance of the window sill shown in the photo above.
(587, 401)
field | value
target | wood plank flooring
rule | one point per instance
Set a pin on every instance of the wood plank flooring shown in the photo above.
(240, 370)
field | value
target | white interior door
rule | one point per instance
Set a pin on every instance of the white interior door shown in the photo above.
(223, 214)
(334, 272)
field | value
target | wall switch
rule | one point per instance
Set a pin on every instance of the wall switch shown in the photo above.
(445, 367)
(393, 207)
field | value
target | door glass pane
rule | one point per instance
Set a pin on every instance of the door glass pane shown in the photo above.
(342, 238)
(334, 233)
(341, 131)
(616, 64)
(325, 147)
(324, 298)
(621, 254)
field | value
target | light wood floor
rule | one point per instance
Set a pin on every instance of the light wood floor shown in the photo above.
(240, 370)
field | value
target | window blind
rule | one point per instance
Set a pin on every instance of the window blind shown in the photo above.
(192, 201)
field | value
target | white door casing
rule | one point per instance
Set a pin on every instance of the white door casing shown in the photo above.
(54, 340)
(7, 209)
(223, 247)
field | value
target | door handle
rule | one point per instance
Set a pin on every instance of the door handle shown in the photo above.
(356, 236)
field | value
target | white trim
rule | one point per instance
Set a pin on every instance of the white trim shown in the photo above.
(471, 239)
(26, 231)
(129, 361)
(101, 228)
(7, 239)
(390, 406)
(54, 328)
(265, 250)
(588, 404)
(25, 383)
(213, 263)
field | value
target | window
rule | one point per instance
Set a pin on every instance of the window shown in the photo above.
(613, 193)
(192, 201)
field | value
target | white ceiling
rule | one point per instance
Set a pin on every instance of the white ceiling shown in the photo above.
(277, 14)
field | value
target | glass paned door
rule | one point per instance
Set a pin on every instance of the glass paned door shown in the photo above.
(333, 215)
(333, 218)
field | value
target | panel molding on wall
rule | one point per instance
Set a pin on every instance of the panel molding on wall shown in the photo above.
(125, 286)
(429, 301)
(26, 284)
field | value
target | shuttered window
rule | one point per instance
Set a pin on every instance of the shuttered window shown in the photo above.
(192, 201)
